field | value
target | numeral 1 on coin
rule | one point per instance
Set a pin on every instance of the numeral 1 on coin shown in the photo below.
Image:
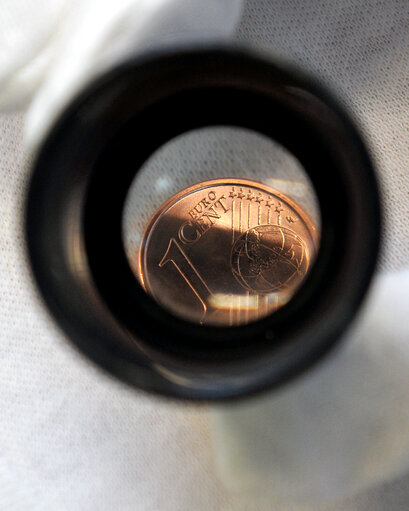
(175, 254)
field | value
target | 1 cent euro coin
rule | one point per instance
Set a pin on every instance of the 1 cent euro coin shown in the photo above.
(226, 252)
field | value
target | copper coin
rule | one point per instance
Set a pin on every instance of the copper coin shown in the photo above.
(225, 252)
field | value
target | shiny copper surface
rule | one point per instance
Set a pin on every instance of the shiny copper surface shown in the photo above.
(225, 252)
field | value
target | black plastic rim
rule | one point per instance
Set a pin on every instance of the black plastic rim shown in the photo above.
(74, 213)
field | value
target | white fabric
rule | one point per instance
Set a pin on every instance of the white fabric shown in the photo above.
(81, 38)
(341, 428)
(72, 438)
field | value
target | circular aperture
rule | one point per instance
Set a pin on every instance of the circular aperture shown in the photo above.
(231, 248)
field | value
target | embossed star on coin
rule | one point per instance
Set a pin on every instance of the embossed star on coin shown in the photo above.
(213, 255)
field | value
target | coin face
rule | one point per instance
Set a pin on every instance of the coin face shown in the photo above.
(225, 252)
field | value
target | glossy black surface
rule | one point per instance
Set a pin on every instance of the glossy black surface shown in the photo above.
(74, 213)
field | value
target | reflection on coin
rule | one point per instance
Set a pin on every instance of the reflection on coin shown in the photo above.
(225, 252)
